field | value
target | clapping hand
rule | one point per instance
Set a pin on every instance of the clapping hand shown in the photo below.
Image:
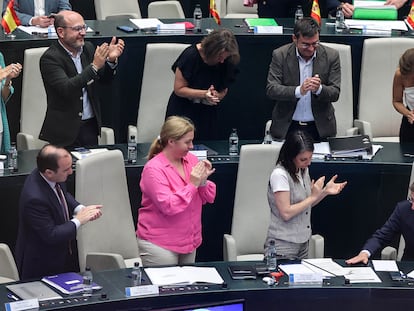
(115, 49)
(333, 188)
(200, 172)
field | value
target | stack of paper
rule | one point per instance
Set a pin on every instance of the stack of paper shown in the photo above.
(171, 29)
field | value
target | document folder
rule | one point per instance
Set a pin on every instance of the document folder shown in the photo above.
(347, 144)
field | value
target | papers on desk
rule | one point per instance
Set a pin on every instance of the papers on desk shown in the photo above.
(268, 30)
(146, 23)
(183, 275)
(366, 9)
(326, 265)
(36, 30)
(370, 26)
(87, 152)
(322, 149)
(361, 275)
(385, 265)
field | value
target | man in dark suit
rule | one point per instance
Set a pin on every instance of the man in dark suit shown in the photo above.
(49, 217)
(403, 7)
(401, 222)
(282, 8)
(72, 70)
(304, 79)
(36, 13)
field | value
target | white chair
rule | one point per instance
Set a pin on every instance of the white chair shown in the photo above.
(110, 9)
(157, 85)
(165, 9)
(108, 242)
(251, 212)
(377, 116)
(235, 9)
(8, 268)
(34, 104)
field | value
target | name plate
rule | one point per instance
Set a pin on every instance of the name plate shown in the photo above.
(305, 279)
(142, 290)
(270, 30)
(27, 304)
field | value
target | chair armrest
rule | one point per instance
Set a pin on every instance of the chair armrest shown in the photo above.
(389, 253)
(229, 248)
(24, 141)
(352, 131)
(133, 131)
(364, 127)
(104, 261)
(316, 246)
(107, 136)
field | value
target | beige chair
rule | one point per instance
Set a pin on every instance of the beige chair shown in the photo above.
(158, 78)
(121, 9)
(377, 116)
(8, 269)
(235, 9)
(108, 242)
(251, 212)
(34, 104)
(165, 9)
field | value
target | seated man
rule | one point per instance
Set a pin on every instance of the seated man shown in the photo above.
(401, 222)
(37, 12)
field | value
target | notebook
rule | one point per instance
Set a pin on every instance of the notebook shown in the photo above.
(346, 144)
(68, 283)
(252, 22)
(33, 290)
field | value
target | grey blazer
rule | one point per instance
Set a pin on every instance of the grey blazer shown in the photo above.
(25, 8)
(284, 77)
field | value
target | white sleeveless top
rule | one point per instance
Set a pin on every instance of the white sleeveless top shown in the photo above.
(408, 97)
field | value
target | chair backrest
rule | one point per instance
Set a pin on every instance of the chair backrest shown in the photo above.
(34, 102)
(158, 78)
(101, 179)
(165, 9)
(121, 8)
(380, 58)
(236, 9)
(251, 212)
(344, 106)
(8, 268)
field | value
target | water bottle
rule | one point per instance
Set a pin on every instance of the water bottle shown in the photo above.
(132, 150)
(87, 278)
(298, 13)
(12, 158)
(271, 260)
(198, 17)
(340, 25)
(136, 274)
(268, 139)
(233, 143)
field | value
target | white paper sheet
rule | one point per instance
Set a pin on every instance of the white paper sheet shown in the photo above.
(385, 265)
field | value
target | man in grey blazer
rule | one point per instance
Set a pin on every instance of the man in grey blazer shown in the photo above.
(36, 12)
(304, 79)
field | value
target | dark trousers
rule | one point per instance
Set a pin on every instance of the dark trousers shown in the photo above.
(309, 127)
(88, 134)
(406, 131)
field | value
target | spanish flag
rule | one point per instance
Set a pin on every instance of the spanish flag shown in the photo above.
(214, 13)
(410, 18)
(10, 20)
(316, 12)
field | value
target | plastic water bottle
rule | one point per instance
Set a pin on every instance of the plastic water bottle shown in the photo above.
(12, 158)
(340, 25)
(271, 260)
(298, 13)
(268, 139)
(233, 143)
(198, 17)
(132, 149)
(87, 278)
(136, 274)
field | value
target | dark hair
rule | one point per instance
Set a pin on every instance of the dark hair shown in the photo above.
(296, 142)
(406, 62)
(48, 158)
(218, 41)
(307, 27)
(59, 21)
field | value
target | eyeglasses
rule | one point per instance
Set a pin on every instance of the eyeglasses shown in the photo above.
(77, 28)
(308, 45)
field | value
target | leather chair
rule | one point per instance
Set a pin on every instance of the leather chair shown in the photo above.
(121, 9)
(157, 85)
(377, 116)
(110, 241)
(165, 9)
(251, 212)
(34, 104)
(8, 268)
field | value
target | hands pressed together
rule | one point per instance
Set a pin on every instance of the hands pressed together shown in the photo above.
(11, 71)
(108, 52)
(201, 172)
(310, 84)
(213, 97)
(89, 213)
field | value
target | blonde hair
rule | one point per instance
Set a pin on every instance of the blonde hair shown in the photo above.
(173, 128)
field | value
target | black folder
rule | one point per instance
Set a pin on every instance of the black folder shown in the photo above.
(346, 144)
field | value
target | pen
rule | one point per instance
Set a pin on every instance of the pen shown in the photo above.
(11, 296)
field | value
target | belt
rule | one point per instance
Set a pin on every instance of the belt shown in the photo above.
(301, 123)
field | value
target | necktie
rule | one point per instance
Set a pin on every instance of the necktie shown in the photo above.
(64, 206)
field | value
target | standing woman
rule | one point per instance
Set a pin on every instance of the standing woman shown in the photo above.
(292, 194)
(174, 187)
(6, 75)
(403, 95)
(203, 73)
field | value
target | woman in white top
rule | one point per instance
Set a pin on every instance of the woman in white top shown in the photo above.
(403, 95)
